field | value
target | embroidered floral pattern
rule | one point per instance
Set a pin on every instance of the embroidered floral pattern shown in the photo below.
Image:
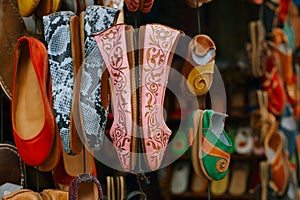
(158, 43)
(112, 45)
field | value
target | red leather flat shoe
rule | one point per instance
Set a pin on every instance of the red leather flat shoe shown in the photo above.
(31, 111)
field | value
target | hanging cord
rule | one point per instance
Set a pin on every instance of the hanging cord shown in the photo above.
(203, 97)
(198, 17)
(84, 158)
(37, 179)
(208, 190)
(1, 118)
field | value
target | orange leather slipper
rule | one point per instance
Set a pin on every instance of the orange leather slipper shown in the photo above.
(276, 153)
(31, 110)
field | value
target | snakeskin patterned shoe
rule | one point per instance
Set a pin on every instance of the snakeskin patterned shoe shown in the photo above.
(116, 47)
(93, 101)
(59, 42)
(157, 46)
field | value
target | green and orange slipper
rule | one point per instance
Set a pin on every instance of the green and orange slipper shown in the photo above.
(214, 150)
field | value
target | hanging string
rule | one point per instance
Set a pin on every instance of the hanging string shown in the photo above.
(203, 97)
(37, 179)
(198, 17)
(84, 159)
(1, 118)
(208, 191)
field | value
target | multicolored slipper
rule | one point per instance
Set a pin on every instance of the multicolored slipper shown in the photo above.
(215, 147)
(281, 47)
(199, 68)
(276, 153)
(157, 47)
(273, 85)
(288, 127)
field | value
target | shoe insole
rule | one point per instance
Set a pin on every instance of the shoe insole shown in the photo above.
(29, 110)
(87, 191)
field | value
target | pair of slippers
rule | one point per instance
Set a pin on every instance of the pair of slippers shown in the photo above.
(156, 49)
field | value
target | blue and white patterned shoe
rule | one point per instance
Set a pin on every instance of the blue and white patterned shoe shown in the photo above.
(93, 108)
(57, 36)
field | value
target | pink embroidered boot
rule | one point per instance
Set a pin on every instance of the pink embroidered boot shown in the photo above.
(157, 46)
(116, 48)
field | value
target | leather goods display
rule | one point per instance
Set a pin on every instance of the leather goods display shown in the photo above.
(32, 115)
(155, 58)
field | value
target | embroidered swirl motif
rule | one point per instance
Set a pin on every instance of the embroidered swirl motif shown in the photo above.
(112, 47)
(154, 80)
(222, 165)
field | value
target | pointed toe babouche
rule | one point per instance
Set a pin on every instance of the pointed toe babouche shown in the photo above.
(92, 100)
(114, 44)
(31, 111)
(157, 47)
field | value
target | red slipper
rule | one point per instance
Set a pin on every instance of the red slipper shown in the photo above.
(272, 83)
(31, 110)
